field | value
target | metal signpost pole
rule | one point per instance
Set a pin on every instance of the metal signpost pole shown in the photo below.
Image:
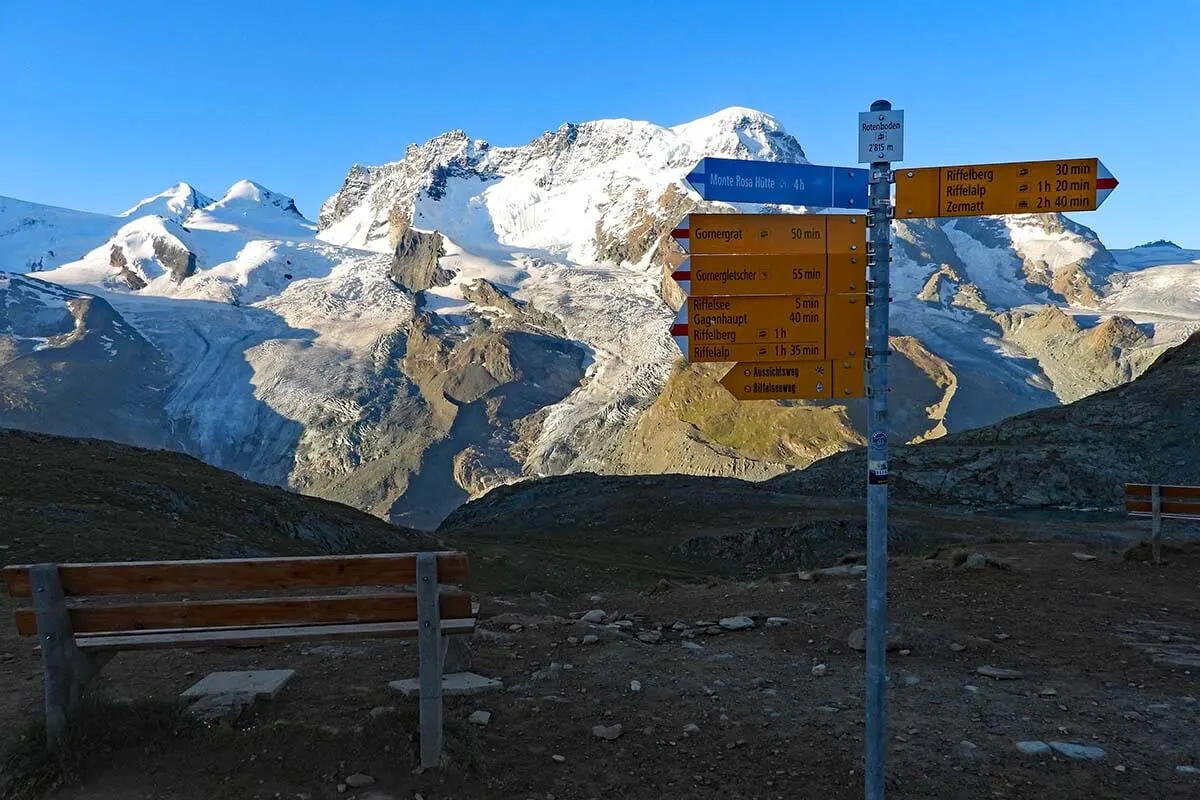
(774, 335)
(877, 470)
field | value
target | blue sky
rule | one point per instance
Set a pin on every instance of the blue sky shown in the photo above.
(105, 102)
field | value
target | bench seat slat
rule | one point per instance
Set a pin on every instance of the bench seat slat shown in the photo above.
(391, 607)
(1192, 516)
(154, 640)
(1166, 507)
(1142, 491)
(247, 574)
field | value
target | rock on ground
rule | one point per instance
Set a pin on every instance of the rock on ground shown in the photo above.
(998, 673)
(975, 561)
(738, 623)
(843, 570)
(1078, 751)
(608, 732)
(858, 639)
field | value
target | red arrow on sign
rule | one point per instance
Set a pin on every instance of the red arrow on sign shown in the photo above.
(683, 276)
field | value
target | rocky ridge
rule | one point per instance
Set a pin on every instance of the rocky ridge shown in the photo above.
(1078, 455)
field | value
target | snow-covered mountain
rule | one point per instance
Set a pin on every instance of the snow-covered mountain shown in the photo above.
(175, 203)
(34, 237)
(1153, 254)
(471, 314)
(70, 364)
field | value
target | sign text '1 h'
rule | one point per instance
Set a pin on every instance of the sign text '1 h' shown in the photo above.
(1026, 187)
(735, 180)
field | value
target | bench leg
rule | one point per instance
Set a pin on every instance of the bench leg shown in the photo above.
(1156, 524)
(65, 669)
(429, 641)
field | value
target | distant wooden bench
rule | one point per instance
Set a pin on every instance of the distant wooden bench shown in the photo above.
(78, 631)
(1159, 502)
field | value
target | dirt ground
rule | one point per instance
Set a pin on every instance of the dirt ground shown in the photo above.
(1107, 651)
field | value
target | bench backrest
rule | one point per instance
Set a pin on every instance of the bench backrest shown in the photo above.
(287, 577)
(1176, 502)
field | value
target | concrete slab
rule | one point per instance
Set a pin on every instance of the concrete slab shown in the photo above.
(261, 684)
(455, 683)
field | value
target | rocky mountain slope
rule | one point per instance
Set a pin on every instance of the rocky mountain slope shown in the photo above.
(69, 364)
(1075, 456)
(473, 315)
(66, 499)
(1078, 455)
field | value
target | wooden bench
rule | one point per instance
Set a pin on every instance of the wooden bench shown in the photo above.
(83, 614)
(1159, 502)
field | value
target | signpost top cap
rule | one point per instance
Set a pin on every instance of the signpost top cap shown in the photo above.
(881, 105)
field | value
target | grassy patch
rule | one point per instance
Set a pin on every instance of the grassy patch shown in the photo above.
(151, 736)
(29, 770)
(788, 434)
(1142, 552)
(565, 567)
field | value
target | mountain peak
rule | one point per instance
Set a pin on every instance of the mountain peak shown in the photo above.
(741, 132)
(246, 189)
(174, 202)
(580, 188)
(245, 193)
(736, 115)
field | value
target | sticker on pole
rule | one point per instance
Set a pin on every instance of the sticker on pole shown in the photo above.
(880, 136)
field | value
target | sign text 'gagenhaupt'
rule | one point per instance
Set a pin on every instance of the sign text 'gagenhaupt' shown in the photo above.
(771, 328)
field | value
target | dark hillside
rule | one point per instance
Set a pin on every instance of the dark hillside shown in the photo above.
(64, 499)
